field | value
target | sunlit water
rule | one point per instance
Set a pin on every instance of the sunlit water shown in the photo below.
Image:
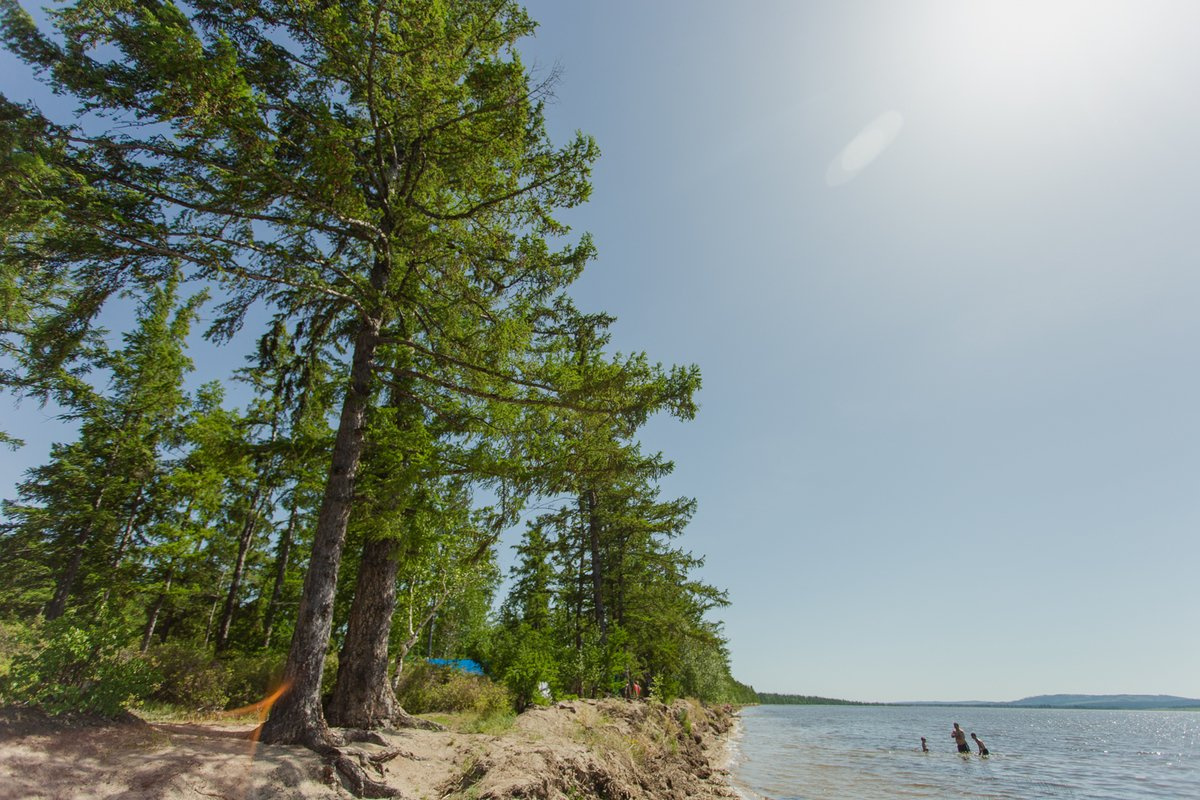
(873, 752)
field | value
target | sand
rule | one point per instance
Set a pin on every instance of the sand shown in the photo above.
(580, 749)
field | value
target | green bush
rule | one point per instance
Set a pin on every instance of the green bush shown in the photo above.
(664, 688)
(525, 658)
(77, 668)
(16, 639)
(425, 688)
(192, 678)
(252, 677)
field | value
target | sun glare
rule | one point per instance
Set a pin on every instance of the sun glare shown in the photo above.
(1031, 52)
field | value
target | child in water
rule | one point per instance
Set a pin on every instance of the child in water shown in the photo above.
(983, 751)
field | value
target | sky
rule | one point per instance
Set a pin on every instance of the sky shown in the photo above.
(937, 262)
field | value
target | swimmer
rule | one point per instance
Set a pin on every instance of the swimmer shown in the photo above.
(983, 751)
(960, 739)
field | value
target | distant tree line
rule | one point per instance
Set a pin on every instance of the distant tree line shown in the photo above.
(773, 699)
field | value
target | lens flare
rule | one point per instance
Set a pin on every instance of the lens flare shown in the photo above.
(262, 709)
(864, 148)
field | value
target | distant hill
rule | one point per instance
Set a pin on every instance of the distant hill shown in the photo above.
(1107, 701)
(1112, 702)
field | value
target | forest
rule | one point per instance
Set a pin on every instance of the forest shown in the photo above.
(776, 699)
(368, 193)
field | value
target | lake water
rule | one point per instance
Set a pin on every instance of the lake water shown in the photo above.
(873, 753)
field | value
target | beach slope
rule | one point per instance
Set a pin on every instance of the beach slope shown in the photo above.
(578, 749)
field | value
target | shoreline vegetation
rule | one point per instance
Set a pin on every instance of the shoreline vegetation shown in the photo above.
(366, 203)
(775, 699)
(573, 749)
(1106, 702)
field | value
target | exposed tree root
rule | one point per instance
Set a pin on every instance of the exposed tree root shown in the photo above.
(362, 735)
(386, 756)
(403, 719)
(351, 765)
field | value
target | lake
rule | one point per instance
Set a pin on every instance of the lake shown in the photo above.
(869, 752)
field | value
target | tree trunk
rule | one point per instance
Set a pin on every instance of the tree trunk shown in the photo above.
(66, 579)
(152, 615)
(122, 543)
(282, 551)
(588, 501)
(296, 717)
(239, 569)
(414, 635)
(212, 611)
(362, 696)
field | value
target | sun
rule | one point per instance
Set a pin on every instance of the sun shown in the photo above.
(1029, 53)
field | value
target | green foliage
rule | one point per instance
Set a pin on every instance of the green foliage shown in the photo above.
(252, 676)
(17, 640)
(684, 719)
(525, 659)
(664, 688)
(192, 679)
(78, 668)
(379, 176)
(195, 680)
(427, 688)
(772, 698)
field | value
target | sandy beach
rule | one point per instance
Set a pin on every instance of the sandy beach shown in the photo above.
(577, 749)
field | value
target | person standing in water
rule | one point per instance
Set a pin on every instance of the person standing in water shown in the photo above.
(983, 751)
(960, 739)
(924, 747)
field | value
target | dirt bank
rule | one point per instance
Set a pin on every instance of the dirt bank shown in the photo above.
(582, 749)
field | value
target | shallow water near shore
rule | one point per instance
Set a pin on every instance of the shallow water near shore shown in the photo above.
(873, 753)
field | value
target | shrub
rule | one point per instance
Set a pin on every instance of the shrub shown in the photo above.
(529, 667)
(425, 688)
(77, 668)
(192, 678)
(16, 639)
(252, 677)
(664, 688)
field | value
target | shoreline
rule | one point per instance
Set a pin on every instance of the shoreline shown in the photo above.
(579, 749)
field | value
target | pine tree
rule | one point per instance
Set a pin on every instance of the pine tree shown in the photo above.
(87, 505)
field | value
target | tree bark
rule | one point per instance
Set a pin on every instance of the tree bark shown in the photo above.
(363, 696)
(588, 501)
(66, 580)
(296, 717)
(249, 525)
(414, 635)
(152, 615)
(282, 552)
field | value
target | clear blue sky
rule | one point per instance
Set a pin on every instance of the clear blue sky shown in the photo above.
(938, 264)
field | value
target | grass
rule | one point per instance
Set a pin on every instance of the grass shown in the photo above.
(492, 723)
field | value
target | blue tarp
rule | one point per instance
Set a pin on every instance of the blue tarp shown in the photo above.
(464, 664)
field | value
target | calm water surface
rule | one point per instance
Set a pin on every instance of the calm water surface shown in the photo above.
(873, 753)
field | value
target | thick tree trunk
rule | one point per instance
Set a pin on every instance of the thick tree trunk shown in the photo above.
(362, 696)
(282, 552)
(296, 717)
